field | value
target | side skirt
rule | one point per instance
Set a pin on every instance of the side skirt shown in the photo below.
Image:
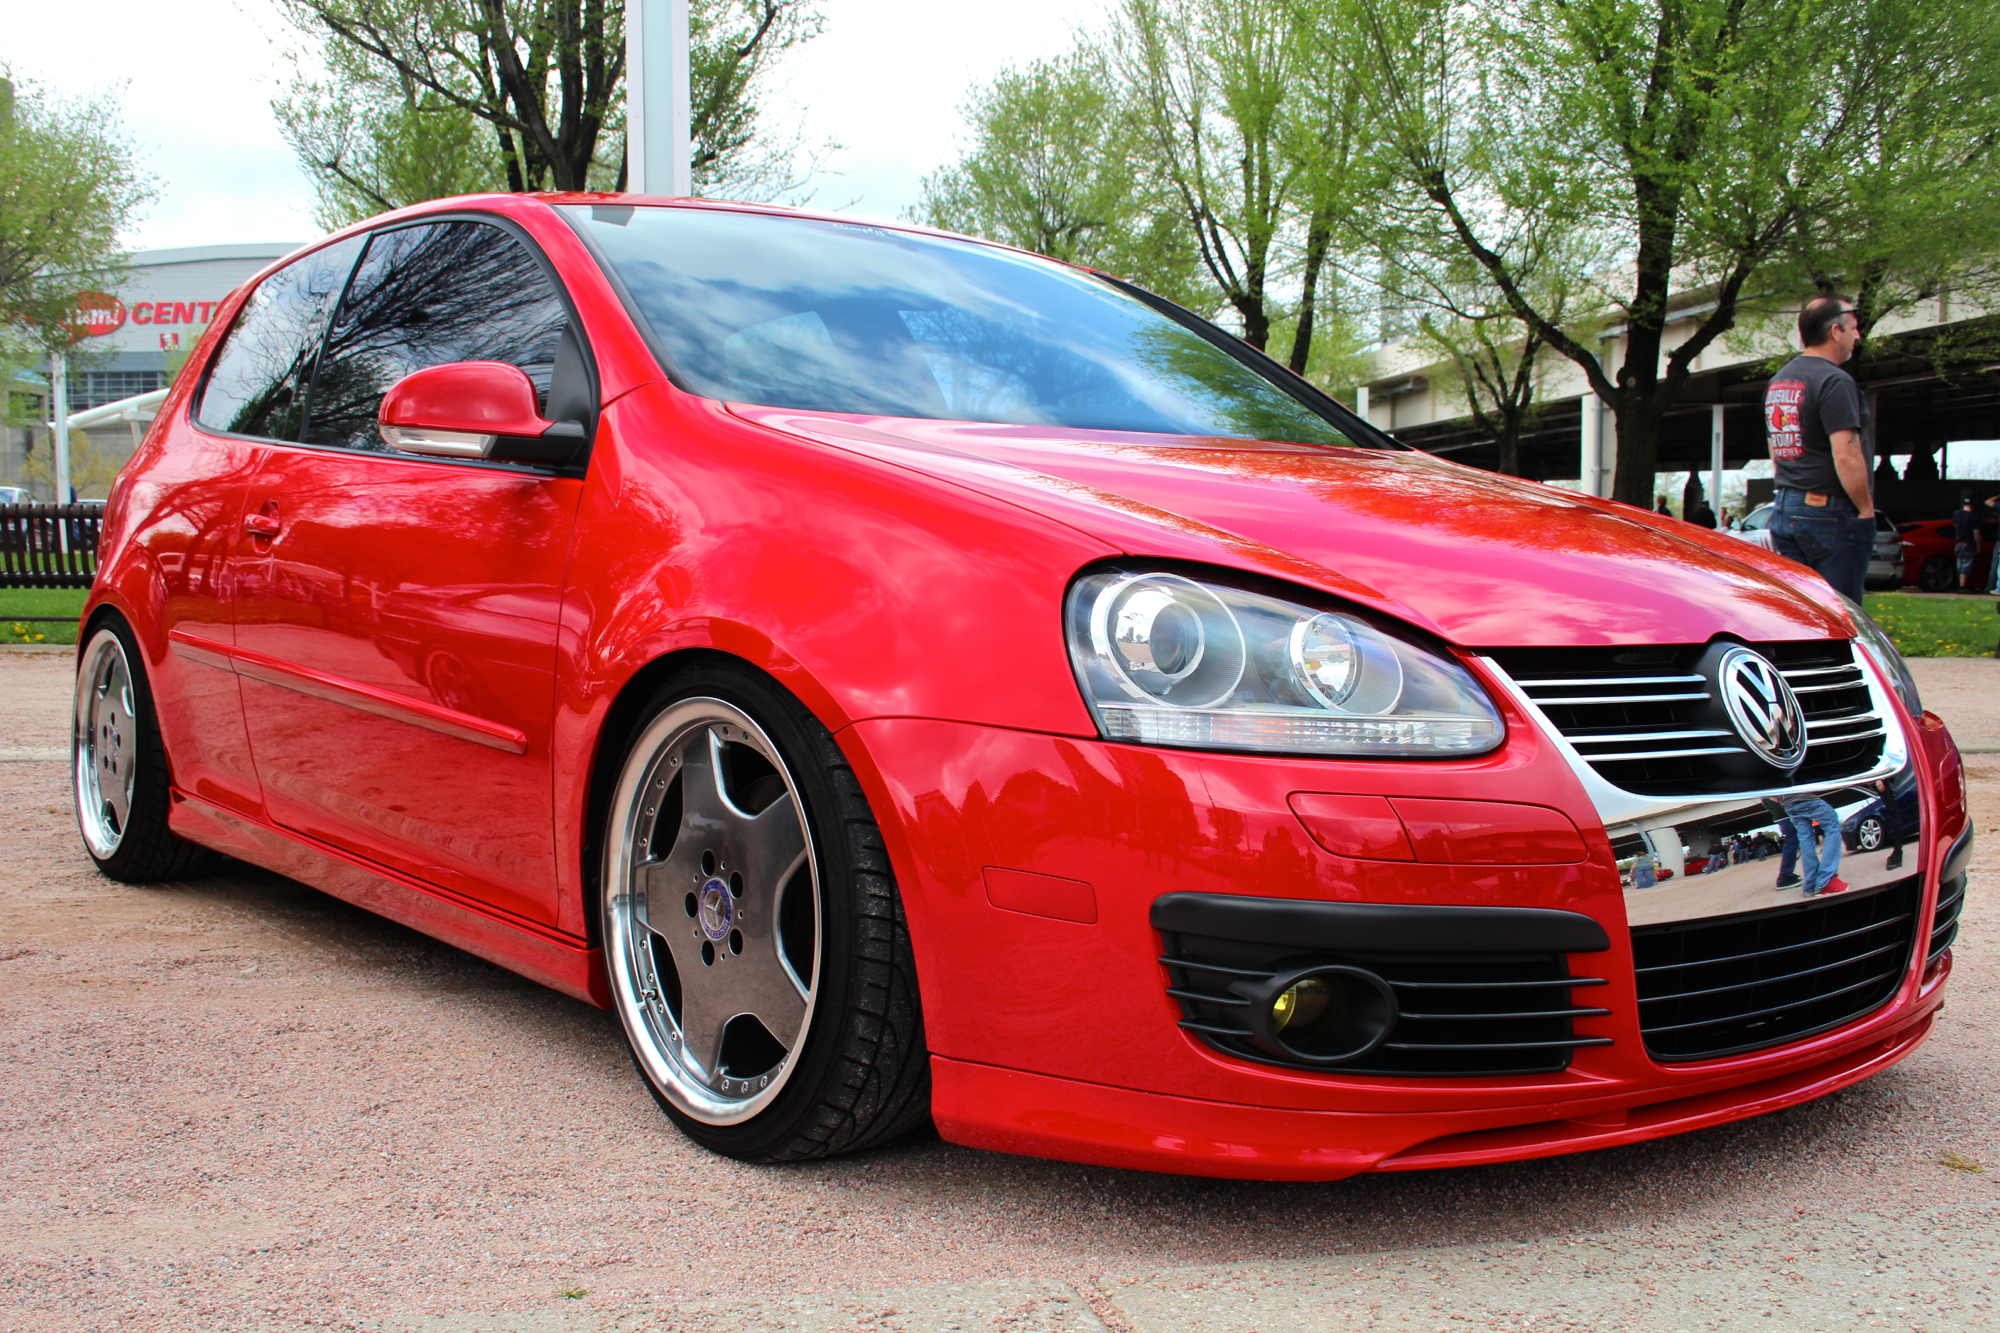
(557, 960)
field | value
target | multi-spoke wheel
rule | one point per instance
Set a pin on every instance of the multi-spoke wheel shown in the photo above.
(756, 947)
(120, 766)
(1868, 834)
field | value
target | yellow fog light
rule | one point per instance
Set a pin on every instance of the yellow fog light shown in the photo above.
(1304, 1003)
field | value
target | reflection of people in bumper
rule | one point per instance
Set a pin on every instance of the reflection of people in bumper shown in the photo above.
(1693, 874)
(1819, 848)
(1892, 814)
(1788, 845)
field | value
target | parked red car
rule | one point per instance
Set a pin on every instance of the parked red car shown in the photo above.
(1930, 559)
(903, 676)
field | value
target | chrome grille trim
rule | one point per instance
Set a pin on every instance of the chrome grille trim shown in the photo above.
(1617, 805)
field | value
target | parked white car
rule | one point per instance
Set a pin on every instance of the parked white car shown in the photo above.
(1885, 563)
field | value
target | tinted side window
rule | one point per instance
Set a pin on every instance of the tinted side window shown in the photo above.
(257, 385)
(424, 296)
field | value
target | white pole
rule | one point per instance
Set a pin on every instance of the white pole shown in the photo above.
(59, 421)
(1715, 460)
(658, 105)
(1590, 467)
(1361, 401)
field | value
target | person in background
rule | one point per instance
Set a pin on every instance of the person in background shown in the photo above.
(1661, 508)
(1703, 516)
(1818, 431)
(1965, 539)
(1643, 873)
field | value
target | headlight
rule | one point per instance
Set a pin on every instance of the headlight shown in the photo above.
(1888, 659)
(1165, 659)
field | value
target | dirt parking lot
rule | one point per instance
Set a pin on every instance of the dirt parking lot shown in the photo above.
(240, 1104)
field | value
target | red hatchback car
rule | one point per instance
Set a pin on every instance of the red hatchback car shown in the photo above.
(903, 676)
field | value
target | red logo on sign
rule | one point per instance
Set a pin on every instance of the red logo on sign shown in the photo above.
(98, 313)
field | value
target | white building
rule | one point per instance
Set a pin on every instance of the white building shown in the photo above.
(138, 338)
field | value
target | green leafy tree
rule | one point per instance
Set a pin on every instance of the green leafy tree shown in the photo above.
(69, 186)
(1057, 167)
(1688, 142)
(424, 98)
(1208, 81)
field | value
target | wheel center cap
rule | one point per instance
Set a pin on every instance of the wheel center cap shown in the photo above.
(718, 910)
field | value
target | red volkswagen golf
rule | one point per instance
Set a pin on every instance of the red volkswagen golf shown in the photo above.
(906, 677)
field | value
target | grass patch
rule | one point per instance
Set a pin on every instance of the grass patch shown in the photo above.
(65, 602)
(1937, 625)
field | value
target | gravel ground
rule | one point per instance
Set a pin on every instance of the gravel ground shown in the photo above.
(238, 1103)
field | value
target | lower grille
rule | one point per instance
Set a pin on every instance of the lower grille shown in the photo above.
(1465, 1011)
(1725, 985)
(1944, 925)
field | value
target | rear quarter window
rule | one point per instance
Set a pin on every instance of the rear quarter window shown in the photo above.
(257, 383)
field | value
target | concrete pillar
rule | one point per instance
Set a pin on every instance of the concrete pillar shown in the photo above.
(59, 422)
(1361, 401)
(1715, 460)
(1591, 454)
(658, 154)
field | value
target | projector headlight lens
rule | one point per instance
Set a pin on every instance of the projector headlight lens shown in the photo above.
(1167, 659)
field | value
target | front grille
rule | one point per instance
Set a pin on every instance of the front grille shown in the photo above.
(1463, 1013)
(1944, 924)
(1729, 984)
(1648, 721)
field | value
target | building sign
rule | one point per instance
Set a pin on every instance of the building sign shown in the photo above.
(173, 312)
(98, 313)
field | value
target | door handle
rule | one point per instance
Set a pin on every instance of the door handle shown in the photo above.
(264, 526)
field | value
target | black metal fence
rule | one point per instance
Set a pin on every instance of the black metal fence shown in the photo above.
(49, 545)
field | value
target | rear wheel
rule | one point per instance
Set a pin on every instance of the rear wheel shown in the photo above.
(757, 951)
(1939, 574)
(119, 766)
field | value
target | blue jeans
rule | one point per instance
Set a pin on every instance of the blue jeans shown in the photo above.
(1788, 849)
(1832, 539)
(1818, 862)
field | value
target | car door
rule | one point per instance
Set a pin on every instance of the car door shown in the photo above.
(396, 615)
(191, 490)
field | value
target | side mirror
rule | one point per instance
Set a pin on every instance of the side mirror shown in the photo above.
(474, 409)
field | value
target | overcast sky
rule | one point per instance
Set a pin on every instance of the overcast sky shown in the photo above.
(196, 78)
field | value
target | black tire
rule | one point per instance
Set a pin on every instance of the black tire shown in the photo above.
(856, 1074)
(1869, 834)
(1939, 574)
(118, 765)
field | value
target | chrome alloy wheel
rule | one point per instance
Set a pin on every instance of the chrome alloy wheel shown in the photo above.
(712, 911)
(106, 744)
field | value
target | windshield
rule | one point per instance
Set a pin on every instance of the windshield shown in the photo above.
(843, 317)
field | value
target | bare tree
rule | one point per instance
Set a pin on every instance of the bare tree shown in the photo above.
(405, 78)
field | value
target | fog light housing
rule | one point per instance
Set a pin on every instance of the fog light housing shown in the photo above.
(1325, 1015)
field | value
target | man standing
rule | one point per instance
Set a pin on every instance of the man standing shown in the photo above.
(1965, 539)
(1817, 426)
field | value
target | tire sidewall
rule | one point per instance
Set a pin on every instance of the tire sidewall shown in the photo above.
(123, 864)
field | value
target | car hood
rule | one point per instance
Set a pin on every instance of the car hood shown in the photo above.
(1477, 558)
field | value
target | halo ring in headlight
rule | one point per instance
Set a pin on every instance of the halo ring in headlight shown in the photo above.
(1168, 640)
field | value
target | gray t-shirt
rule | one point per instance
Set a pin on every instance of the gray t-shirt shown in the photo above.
(1805, 403)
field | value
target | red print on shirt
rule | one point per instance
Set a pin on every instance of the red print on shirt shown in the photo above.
(1781, 418)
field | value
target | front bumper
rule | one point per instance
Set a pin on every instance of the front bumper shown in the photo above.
(1029, 865)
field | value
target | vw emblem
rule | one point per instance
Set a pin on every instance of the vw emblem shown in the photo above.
(1762, 708)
